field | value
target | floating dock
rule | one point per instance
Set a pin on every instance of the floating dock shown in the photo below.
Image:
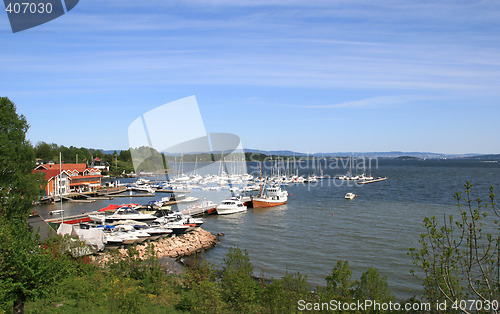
(77, 200)
(374, 180)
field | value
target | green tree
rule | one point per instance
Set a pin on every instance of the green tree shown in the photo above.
(339, 281)
(27, 271)
(460, 257)
(44, 151)
(372, 286)
(282, 295)
(239, 287)
(19, 187)
(125, 155)
(25, 268)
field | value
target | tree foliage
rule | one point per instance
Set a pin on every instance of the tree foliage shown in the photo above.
(239, 287)
(460, 257)
(19, 187)
(282, 295)
(27, 271)
(339, 281)
(372, 286)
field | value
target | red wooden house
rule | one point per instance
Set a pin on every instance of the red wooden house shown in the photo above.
(69, 178)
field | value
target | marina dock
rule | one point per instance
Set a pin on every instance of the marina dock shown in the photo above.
(374, 180)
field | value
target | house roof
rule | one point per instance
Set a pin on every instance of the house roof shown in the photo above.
(49, 173)
(79, 167)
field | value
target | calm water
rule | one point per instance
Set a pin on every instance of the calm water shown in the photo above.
(318, 226)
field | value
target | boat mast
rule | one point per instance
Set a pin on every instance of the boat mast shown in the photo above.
(60, 188)
(195, 164)
(260, 192)
(350, 166)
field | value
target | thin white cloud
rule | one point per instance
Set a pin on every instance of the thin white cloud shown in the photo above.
(372, 102)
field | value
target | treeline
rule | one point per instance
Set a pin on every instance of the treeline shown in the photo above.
(118, 162)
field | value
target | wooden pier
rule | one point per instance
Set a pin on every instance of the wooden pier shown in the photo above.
(77, 200)
(374, 180)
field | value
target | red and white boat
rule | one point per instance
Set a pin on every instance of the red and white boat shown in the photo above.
(274, 196)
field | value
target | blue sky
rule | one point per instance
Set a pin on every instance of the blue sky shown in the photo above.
(309, 76)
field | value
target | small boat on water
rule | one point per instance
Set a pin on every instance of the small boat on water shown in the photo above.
(180, 219)
(230, 206)
(274, 196)
(175, 228)
(146, 189)
(189, 199)
(206, 207)
(114, 237)
(350, 196)
(155, 232)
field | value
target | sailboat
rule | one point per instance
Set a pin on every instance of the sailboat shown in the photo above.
(274, 196)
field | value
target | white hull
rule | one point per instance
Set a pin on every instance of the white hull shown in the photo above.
(230, 207)
(350, 196)
(227, 211)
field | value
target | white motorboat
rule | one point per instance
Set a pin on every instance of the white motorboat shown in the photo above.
(230, 206)
(112, 239)
(175, 228)
(124, 213)
(189, 199)
(129, 230)
(180, 219)
(146, 189)
(157, 232)
(115, 237)
(350, 196)
(207, 207)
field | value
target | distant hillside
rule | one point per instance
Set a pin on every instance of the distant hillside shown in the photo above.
(394, 154)
(485, 157)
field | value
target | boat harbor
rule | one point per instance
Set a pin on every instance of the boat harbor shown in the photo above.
(171, 213)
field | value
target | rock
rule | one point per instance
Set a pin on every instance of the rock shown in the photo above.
(171, 247)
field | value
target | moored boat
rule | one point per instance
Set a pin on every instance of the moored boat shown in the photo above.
(230, 206)
(206, 207)
(350, 196)
(274, 196)
(122, 213)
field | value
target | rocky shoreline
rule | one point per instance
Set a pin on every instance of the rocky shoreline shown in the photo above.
(176, 246)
